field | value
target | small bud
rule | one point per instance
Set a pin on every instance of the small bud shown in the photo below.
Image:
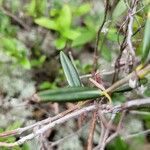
(132, 83)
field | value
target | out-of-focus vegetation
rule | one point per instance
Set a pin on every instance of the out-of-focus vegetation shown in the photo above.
(32, 33)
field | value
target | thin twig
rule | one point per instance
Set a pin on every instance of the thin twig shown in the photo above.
(108, 73)
(40, 123)
(91, 132)
(102, 142)
(95, 63)
(111, 137)
(128, 137)
(135, 112)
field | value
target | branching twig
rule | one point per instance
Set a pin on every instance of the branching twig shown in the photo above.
(40, 123)
(127, 37)
(128, 105)
(127, 137)
(102, 143)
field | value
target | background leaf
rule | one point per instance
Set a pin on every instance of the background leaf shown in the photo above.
(120, 8)
(60, 43)
(83, 9)
(64, 19)
(46, 23)
(71, 34)
(106, 53)
(86, 35)
(146, 40)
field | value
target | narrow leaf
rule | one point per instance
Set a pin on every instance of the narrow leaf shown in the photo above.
(83, 9)
(70, 71)
(71, 94)
(146, 40)
(46, 23)
(64, 20)
(71, 34)
(119, 10)
(86, 35)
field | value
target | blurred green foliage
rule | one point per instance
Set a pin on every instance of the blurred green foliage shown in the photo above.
(61, 20)
(118, 144)
(36, 8)
(12, 139)
(16, 51)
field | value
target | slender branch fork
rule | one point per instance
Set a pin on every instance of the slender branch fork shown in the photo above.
(127, 40)
(105, 108)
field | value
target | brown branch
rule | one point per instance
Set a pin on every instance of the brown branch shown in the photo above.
(40, 123)
(121, 82)
(95, 63)
(91, 132)
(102, 142)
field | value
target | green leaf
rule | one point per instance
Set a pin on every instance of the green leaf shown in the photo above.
(71, 34)
(113, 36)
(31, 8)
(64, 20)
(83, 9)
(54, 12)
(69, 94)
(47, 85)
(60, 43)
(118, 97)
(9, 44)
(36, 8)
(120, 9)
(70, 71)
(46, 23)
(118, 144)
(25, 63)
(25, 147)
(106, 53)
(86, 35)
(146, 40)
(15, 125)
